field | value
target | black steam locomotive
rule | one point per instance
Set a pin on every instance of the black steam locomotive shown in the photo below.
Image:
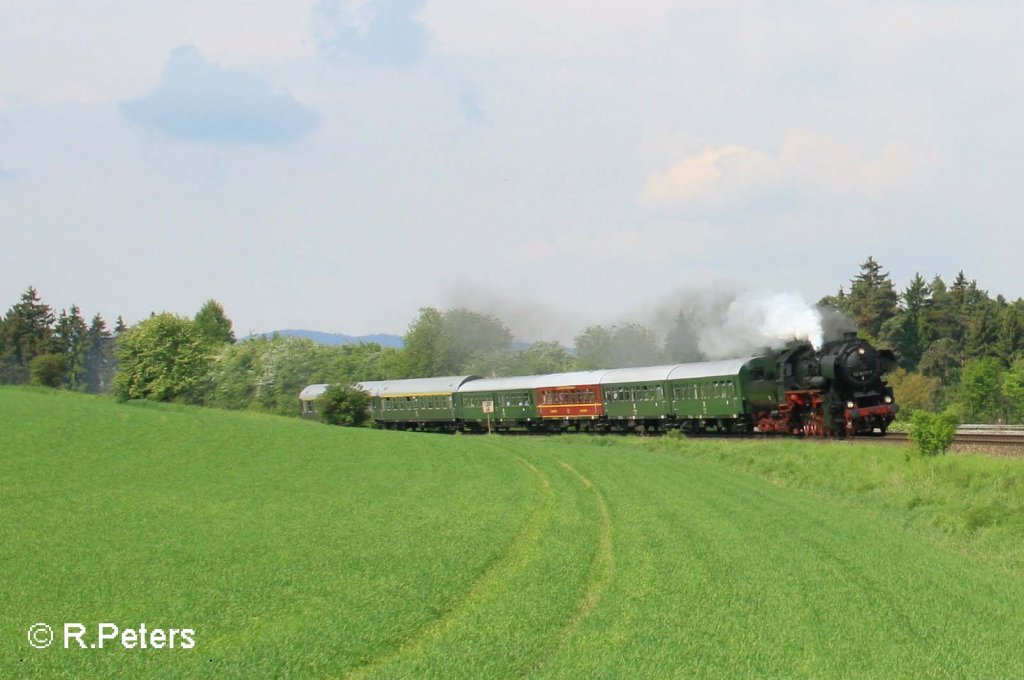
(835, 391)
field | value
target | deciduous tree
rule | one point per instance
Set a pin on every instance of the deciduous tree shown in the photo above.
(981, 393)
(164, 358)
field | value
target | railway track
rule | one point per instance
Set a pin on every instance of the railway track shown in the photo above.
(975, 440)
(967, 438)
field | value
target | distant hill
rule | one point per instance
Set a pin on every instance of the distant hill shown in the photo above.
(382, 339)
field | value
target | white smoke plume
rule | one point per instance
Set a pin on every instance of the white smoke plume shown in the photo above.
(753, 321)
(717, 322)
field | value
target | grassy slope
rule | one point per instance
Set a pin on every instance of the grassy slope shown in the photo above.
(297, 548)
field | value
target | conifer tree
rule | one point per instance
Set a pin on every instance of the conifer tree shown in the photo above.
(1010, 337)
(70, 339)
(28, 329)
(99, 357)
(982, 331)
(873, 299)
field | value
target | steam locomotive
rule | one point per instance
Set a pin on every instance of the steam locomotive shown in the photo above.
(835, 391)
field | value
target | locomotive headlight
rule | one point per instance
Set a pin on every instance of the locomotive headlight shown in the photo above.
(888, 400)
(850, 404)
(860, 351)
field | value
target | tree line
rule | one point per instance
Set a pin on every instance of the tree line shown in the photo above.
(960, 350)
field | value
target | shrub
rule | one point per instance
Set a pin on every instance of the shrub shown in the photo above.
(932, 433)
(48, 370)
(343, 405)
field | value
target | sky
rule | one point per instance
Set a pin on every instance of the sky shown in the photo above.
(338, 165)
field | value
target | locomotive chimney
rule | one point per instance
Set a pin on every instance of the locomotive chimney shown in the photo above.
(850, 335)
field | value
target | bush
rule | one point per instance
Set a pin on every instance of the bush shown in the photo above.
(48, 370)
(343, 405)
(932, 433)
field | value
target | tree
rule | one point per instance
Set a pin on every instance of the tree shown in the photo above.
(982, 331)
(1013, 390)
(539, 358)
(940, 318)
(466, 333)
(941, 360)
(213, 324)
(28, 329)
(981, 391)
(873, 299)
(906, 331)
(164, 358)
(914, 392)
(620, 346)
(71, 338)
(423, 344)
(1010, 336)
(48, 370)
(446, 343)
(838, 302)
(99, 364)
(343, 405)
(542, 358)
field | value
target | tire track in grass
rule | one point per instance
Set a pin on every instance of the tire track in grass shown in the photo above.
(601, 570)
(517, 555)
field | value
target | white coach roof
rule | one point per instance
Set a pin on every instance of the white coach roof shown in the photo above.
(638, 374)
(401, 388)
(708, 369)
(369, 386)
(518, 382)
(311, 392)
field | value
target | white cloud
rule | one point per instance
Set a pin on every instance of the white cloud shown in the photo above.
(807, 162)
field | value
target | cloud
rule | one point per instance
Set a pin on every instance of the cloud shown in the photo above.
(807, 162)
(375, 31)
(196, 99)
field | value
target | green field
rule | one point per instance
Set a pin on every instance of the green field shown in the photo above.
(296, 549)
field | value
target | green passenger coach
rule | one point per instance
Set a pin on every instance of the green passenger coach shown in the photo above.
(637, 395)
(498, 403)
(421, 404)
(718, 393)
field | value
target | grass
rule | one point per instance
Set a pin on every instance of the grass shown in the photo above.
(296, 549)
(973, 504)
